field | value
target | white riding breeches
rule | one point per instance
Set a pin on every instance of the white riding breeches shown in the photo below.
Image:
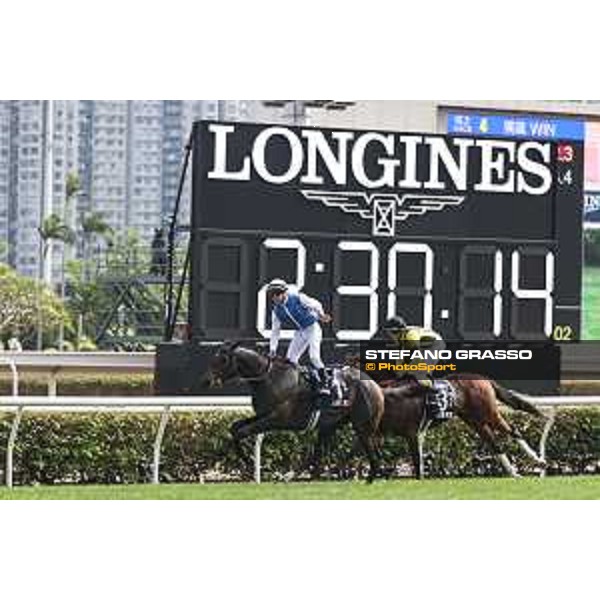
(309, 337)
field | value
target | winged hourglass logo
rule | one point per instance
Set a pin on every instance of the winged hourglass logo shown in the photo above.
(384, 210)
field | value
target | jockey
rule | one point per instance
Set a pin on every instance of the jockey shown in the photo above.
(408, 337)
(302, 313)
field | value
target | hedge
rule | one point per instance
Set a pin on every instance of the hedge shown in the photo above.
(117, 447)
(82, 385)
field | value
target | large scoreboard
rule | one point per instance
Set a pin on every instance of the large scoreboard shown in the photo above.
(478, 238)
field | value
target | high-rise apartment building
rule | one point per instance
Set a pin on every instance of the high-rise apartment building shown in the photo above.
(4, 178)
(127, 154)
(103, 164)
(24, 194)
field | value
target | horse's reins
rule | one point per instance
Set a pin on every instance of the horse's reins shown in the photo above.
(260, 377)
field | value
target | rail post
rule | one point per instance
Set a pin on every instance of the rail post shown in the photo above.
(12, 438)
(52, 383)
(164, 419)
(544, 438)
(8, 477)
(257, 457)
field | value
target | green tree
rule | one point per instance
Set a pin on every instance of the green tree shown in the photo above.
(54, 228)
(92, 226)
(72, 187)
(96, 284)
(22, 300)
(85, 294)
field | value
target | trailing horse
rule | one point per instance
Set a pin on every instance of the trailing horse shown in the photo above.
(283, 399)
(476, 404)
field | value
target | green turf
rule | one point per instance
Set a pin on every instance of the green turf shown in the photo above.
(591, 303)
(552, 488)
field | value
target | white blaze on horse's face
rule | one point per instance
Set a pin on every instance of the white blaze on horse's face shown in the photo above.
(213, 379)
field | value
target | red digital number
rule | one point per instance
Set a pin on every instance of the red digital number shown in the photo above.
(565, 153)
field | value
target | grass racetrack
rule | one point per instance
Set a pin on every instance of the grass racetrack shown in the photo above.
(530, 488)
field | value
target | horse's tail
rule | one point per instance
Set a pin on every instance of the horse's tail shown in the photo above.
(516, 400)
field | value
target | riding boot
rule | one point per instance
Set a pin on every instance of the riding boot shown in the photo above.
(323, 390)
(434, 409)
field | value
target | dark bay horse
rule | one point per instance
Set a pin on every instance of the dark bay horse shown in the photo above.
(476, 404)
(282, 399)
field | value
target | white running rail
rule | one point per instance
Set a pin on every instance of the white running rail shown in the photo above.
(52, 364)
(166, 405)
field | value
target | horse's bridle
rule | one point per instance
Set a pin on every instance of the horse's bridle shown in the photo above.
(261, 376)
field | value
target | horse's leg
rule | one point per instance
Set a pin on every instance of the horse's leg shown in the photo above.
(378, 445)
(322, 448)
(416, 450)
(517, 436)
(385, 470)
(252, 427)
(238, 434)
(314, 455)
(369, 444)
(486, 433)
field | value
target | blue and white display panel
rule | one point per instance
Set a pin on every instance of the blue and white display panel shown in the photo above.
(516, 126)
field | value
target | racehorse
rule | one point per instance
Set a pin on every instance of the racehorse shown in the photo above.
(476, 404)
(283, 399)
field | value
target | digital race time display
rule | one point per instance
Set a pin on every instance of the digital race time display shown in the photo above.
(483, 302)
(477, 239)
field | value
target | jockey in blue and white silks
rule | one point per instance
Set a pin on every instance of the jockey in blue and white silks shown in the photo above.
(298, 311)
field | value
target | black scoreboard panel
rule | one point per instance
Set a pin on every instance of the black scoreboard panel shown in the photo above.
(498, 290)
(473, 264)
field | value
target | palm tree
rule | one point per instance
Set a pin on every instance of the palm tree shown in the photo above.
(93, 224)
(72, 186)
(54, 228)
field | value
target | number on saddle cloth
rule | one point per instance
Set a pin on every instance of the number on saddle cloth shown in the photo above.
(334, 382)
(441, 400)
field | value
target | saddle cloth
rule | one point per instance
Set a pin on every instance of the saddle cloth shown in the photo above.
(441, 400)
(336, 384)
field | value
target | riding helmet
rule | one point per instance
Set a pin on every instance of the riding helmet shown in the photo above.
(277, 286)
(395, 323)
